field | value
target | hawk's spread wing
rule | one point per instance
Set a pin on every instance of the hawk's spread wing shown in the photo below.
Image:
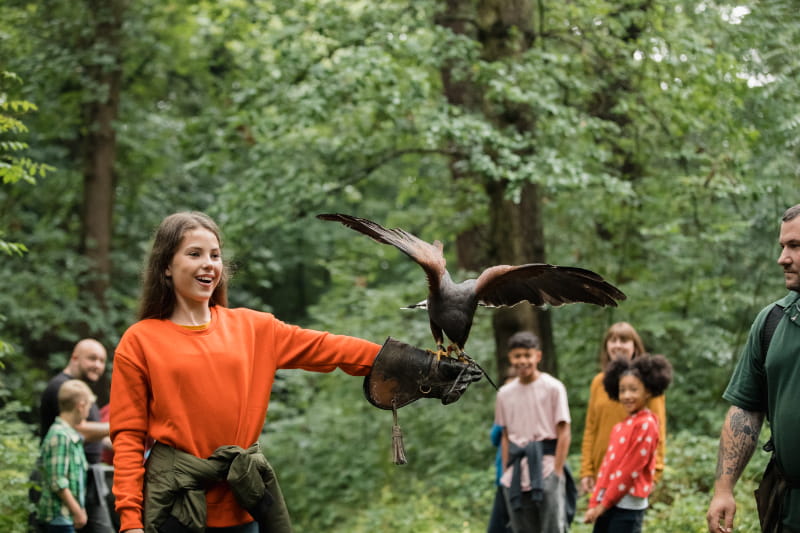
(428, 256)
(541, 284)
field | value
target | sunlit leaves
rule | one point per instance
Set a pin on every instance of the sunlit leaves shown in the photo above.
(14, 166)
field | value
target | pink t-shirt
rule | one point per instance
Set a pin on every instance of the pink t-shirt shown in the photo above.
(531, 412)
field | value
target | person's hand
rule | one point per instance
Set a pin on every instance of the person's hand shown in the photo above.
(587, 484)
(721, 511)
(593, 514)
(137, 530)
(79, 518)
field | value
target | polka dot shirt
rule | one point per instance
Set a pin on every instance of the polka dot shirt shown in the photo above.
(630, 461)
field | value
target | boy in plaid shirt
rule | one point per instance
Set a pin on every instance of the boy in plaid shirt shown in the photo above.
(63, 461)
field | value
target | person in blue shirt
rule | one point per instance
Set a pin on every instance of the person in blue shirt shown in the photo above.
(499, 521)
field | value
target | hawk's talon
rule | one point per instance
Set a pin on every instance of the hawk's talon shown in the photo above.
(439, 353)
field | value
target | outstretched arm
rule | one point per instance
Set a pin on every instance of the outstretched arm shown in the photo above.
(736, 445)
(93, 431)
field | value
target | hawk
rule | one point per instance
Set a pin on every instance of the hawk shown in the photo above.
(451, 306)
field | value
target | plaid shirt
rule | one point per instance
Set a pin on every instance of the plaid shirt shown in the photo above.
(64, 466)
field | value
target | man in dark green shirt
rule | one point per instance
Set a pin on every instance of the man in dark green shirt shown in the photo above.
(765, 384)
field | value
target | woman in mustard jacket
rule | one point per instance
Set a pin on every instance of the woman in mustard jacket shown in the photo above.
(620, 341)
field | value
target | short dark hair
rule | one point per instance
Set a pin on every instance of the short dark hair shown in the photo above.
(654, 371)
(791, 213)
(523, 339)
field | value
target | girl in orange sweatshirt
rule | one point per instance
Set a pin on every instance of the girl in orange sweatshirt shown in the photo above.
(195, 375)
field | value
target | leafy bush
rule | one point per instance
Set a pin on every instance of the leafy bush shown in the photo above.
(18, 452)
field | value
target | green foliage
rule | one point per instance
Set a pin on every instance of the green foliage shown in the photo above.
(18, 452)
(14, 167)
(18, 449)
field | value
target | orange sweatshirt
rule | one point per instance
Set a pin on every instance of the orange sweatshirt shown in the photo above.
(602, 414)
(198, 390)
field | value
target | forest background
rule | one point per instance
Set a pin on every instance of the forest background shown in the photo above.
(654, 142)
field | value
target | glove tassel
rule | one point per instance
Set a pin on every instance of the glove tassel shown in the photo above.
(398, 450)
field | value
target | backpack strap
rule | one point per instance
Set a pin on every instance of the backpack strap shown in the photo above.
(767, 331)
(770, 325)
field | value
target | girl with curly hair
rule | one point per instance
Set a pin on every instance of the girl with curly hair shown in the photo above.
(626, 475)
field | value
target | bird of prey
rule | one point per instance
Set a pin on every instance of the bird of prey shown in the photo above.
(451, 305)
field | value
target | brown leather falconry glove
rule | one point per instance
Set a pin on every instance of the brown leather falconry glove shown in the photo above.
(402, 373)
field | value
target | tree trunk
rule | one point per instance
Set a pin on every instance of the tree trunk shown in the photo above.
(99, 150)
(517, 237)
(514, 233)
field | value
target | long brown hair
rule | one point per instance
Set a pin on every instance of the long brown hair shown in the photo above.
(626, 332)
(158, 294)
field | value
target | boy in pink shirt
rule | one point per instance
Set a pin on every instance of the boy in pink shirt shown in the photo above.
(534, 413)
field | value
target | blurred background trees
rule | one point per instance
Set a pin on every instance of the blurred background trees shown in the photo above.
(653, 142)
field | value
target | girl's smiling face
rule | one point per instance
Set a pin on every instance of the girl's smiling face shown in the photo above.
(632, 393)
(196, 268)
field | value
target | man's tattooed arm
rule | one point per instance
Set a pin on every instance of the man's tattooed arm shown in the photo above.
(738, 442)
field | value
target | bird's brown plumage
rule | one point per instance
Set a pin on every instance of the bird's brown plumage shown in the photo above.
(451, 305)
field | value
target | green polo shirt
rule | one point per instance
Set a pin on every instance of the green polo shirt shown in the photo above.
(772, 385)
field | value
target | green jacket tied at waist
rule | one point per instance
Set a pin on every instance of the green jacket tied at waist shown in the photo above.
(176, 483)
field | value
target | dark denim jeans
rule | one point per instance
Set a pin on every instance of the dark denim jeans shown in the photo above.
(617, 520)
(499, 519)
